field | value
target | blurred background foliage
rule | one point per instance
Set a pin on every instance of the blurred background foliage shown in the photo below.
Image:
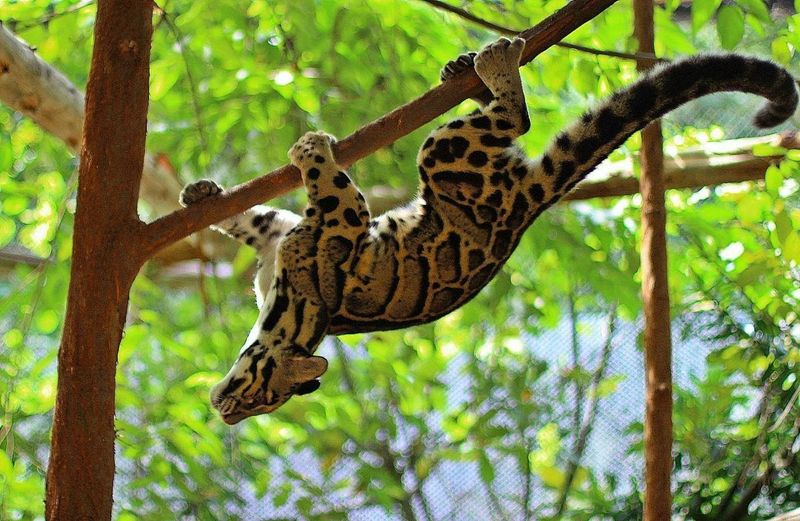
(524, 404)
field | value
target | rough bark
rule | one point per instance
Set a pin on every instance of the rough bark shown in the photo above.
(105, 261)
(655, 300)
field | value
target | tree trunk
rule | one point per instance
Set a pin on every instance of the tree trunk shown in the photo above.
(105, 261)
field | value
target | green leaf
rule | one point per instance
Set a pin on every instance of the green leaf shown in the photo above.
(7, 230)
(773, 179)
(486, 468)
(782, 51)
(6, 155)
(730, 26)
(702, 11)
(757, 8)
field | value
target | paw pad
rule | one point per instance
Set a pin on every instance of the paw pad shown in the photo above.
(198, 191)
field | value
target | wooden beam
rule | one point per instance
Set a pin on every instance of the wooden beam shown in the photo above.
(794, 515)
(655, 301)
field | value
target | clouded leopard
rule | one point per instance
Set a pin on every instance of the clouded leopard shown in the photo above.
(336, 269)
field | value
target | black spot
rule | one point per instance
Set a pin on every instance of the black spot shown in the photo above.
(564, 142)
(332, 223)
(586, 118)
(250, 240)
(608, 123)
(448, 258)
(499, 109)
(503, 124)
(351, 217)
(313, 173)
(311, 212)
(642, 98)
(502, 244)
(518, 213)
(500, 162)
(547, 165)
(456, 123)
(266, 371)
(459, 146)
(319, 159)
(482, 122)
(429, 161)
(428, 143)
(565, 171)
(232, 386)
(280, 305)
(490, 140)
(423, 175)
(257, 220)
(470, 179)
(499, 178)
(481, 278)
(476, 258)
(519, 171)
(487, 213)
(441, 152)
(536, 192)
(392, 224)
(478, 158)
(496, 198)
(299, 311)
(328, 204)
(586, 147)
(444, 299)
(341, 180)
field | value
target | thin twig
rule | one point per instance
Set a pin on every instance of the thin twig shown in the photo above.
(582, 439)
(463, 13)
(198, 111)
(18, 26)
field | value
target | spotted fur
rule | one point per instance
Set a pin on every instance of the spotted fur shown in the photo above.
(338, 270)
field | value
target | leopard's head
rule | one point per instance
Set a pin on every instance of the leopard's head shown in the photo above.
(263, 379)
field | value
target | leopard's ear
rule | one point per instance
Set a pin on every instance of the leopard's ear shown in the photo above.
(304, 368)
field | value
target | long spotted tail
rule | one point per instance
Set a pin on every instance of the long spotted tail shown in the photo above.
(579, 149)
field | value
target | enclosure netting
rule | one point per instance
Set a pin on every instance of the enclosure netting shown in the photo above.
(455, 490)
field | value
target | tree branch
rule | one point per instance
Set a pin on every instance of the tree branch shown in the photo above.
(585, 431)
(501, 29)
(366, 140)
(37, 90)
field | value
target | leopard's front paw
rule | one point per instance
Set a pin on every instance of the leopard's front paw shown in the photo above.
(455, 67)
(311, 146)
(498, 58)
(202, 189)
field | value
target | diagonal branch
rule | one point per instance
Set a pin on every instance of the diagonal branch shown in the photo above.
(366, 140)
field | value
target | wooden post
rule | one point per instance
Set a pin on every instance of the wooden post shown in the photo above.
(655, 296)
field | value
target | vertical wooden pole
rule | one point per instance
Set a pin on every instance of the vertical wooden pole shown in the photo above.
(106, 257)
(655, 296)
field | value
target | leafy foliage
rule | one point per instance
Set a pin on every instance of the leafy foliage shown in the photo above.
(492, 397)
